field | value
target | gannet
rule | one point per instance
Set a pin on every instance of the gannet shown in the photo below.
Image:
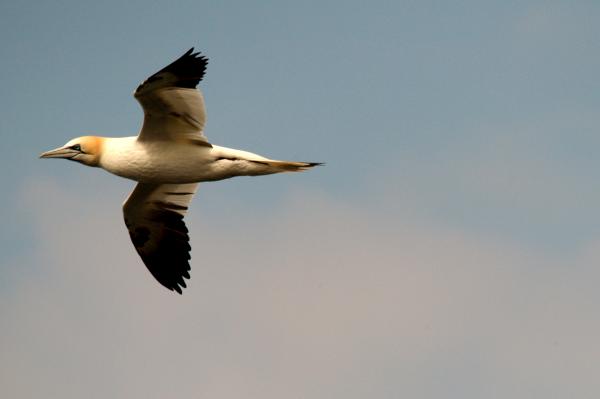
(167, 159)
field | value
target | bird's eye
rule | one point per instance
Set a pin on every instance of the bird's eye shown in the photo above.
(76, 147)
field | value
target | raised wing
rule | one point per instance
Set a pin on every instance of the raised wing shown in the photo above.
(173, 107)
(154, 218)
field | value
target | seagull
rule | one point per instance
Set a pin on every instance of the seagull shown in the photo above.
(167, 159)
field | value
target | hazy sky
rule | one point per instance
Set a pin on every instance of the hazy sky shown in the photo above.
(450, 248)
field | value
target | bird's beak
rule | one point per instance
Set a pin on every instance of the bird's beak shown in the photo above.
(62, 152)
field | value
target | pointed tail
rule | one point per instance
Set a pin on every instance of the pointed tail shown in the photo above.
(287, 166)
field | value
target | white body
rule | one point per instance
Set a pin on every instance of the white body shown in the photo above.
(178, 162)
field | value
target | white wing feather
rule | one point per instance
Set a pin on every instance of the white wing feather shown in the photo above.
(173, 106)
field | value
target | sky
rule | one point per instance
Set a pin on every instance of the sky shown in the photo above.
(450, 246)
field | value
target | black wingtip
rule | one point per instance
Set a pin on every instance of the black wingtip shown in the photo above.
(191, 53)
(189, 69)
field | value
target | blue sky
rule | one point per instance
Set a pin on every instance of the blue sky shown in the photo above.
(449, 248)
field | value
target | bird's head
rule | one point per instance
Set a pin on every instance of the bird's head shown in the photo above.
(86, 150)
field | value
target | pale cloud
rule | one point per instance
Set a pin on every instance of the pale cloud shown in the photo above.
(320, 298)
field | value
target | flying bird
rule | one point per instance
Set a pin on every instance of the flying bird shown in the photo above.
(167, 159)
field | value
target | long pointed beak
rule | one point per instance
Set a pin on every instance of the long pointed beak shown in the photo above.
(61, 152)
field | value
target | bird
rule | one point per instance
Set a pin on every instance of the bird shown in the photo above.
(169, 157)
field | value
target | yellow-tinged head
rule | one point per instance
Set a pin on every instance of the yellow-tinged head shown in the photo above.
(86, 150)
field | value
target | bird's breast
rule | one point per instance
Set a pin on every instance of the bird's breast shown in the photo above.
(156, 162)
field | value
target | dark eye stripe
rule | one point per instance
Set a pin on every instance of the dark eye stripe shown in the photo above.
(76, 147)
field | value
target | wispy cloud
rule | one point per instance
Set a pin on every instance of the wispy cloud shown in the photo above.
(318, 299)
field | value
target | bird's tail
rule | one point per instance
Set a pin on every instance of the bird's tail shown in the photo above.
(287, 166)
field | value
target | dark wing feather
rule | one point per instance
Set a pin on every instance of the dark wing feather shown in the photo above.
(154, 218)
(173, 107)
(186, 71)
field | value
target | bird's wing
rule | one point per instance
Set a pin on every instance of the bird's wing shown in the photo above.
(173, 107)
(154, 218)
